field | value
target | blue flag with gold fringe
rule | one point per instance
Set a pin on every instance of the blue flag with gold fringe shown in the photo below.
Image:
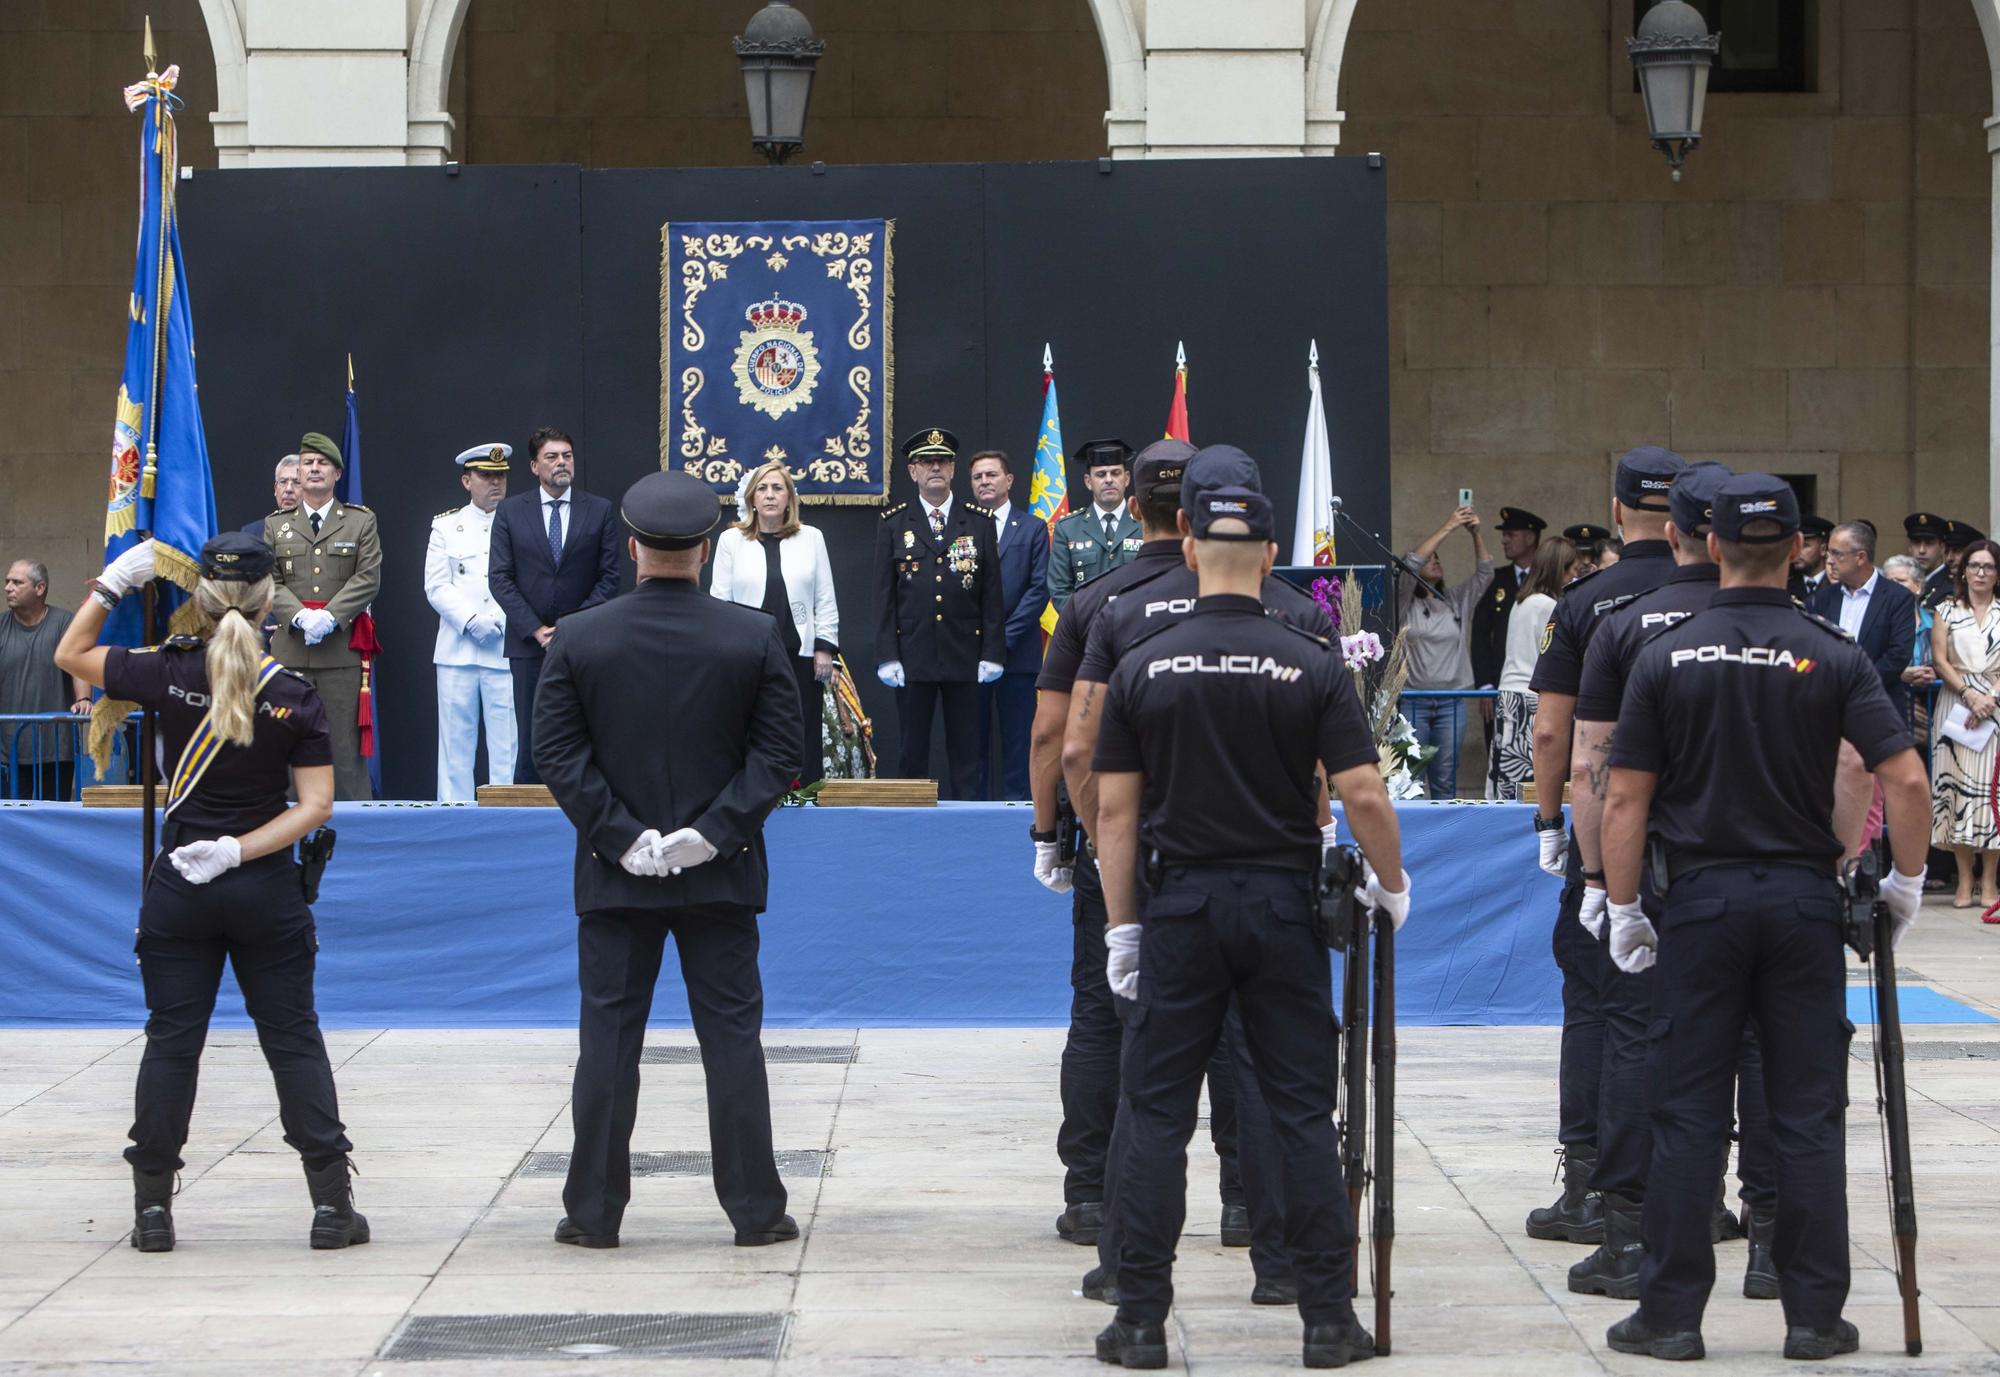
(160, 485)
(775, 344)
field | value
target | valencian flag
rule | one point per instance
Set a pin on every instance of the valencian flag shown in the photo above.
(1312, 536)
(160, 486)
(1177, 417)
(1048, 499)
(361, 637)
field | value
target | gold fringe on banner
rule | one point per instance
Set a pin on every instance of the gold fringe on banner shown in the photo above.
(106, 720)
(666, 342)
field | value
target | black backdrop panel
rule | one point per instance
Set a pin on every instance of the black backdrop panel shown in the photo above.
(481, 305)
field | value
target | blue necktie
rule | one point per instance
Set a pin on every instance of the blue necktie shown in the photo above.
(555, 532)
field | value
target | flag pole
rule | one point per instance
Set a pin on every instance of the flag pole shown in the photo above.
(149, 721)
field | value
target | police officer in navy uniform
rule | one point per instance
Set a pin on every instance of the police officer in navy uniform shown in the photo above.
(1520, 536)
(1810, 571)
(1722, 769)
(1625, 1129)
(1206, 762)
(1926, 534)
(666, 726)
(240, 730)
(1640, 486)
(1589, 538)
(940, 628)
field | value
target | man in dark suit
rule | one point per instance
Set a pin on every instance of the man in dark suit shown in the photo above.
(940, 626)
(1023, 546)
(1881, 615)
(284, 492)
(555, 551)
(669, 839)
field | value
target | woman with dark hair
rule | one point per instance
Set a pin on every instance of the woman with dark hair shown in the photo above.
(1965, 652)
(1513, 760)
(224, 886)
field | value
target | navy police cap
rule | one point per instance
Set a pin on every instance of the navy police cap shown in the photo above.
(1644, 477)
(1583, 533)
(1521, 519)
(931, 443)
(1157, 472)
(1218, 466)
(234, 557)
(1252, 509)
(1749, 498)
(1693, 495)
(1921, 525)
(670, 510)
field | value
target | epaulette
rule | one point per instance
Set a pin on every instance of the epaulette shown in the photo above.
(447, 512)
(1832, 627)
(893, 510)
(357, 507)
(975, 507)
(296, 675)
(183, 643)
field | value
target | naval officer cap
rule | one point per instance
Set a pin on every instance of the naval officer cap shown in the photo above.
(1958, 535)
(1692, 498)
(234, 557)
(488, 458)
(670, 510)
(1232, 507)
(1521, 519)
(931, 443)
(1156, 473)
(1645, 476)
(1751, 498)
(1217, 466)
(317, 443)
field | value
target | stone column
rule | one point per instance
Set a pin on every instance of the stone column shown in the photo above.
(327, 83)
(1225, 81)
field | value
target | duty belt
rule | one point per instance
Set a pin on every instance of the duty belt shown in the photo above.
(1669, 866)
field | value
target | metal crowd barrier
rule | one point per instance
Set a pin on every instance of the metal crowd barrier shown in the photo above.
(29, 737)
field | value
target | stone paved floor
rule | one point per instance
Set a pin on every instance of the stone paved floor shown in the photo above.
(928, 1246)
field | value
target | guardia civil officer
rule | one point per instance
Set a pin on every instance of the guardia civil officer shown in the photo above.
(1624, 1126)
(1722, 769)
(240, 729)
(1214, 728)
(667, 727)
(1248, 1150)
(1639, 510)
(473, 680)
(940, 627)
(1104, 535)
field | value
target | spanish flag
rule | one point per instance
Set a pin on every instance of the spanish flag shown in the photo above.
(1177, 417)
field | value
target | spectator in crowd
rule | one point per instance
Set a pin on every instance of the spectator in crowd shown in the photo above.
(1809, 565)
(284, 493)
(555, 551)
(1434, 619)
(1965, 649)
(1900, 569)
(1520, 535)
(1512, 759)
(473, 681)
(1024, 592)
(1878, 613)
(1919, 677)
(771, 560)
(31, 683)
(1589, 540)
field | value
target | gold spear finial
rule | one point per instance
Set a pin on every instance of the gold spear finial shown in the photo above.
(152, 53)
(350, 372)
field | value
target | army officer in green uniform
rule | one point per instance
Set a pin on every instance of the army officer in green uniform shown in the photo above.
(328, 571)
(1103, 535)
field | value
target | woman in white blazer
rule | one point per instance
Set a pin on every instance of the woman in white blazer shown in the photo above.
(770, 560)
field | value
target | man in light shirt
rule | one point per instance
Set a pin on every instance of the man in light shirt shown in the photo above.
(1878, 613)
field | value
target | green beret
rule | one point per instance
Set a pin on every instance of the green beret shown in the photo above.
(319, 444)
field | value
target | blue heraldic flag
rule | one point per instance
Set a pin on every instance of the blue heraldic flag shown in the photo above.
(775, 344)
(160, 484)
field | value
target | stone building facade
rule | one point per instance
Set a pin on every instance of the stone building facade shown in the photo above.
(1812, 297)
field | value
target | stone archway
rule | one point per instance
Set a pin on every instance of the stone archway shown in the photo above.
(1323, 63)
(1988, 13)
(231, 119)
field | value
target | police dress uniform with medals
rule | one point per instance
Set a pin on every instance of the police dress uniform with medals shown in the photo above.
(1229, 836)
(253, 915)
(1489, 617)
(1092, 541)
(671, 718)
(939, 613)
(1643, 479)
(1735, 718)
(332, 561)
(473, 679)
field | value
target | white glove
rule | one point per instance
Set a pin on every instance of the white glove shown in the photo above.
(890, 672)
(642, 858)
(1395, 904)
(315, 624)
(1591, 915)
(1634, 944)
(678, 851)
(989, 672)
(1053, 876)
(1121, 962)
(199, 862)
(485, 626)
(1905, 895)
(1555, 847)
(1329, 836)
(133, 569)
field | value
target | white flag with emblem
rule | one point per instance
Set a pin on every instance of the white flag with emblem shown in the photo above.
(1312, 537)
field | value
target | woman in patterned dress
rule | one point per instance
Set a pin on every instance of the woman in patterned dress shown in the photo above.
(1965, 650)
(1512, 760)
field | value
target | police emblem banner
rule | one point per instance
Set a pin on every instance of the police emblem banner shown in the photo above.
(775, 343)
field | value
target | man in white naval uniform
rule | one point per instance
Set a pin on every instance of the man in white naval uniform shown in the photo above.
(472, 674)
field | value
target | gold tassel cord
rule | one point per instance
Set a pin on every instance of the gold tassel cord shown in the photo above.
(666, 346)
(107, 718)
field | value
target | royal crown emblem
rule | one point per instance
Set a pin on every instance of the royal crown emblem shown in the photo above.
(776, 365)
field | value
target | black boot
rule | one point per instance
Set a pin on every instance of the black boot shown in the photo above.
(153, 1211)
(1337, 1345)
(1725, 1227)
(336, 1223)
(1613, 1270)
(1760, 1277)
(1236, 1226)
(1098, 1287)
(1578, 1217)
(1631, 1335)
(1080, 1223)
(1801, 1342)
(1133, 1345)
